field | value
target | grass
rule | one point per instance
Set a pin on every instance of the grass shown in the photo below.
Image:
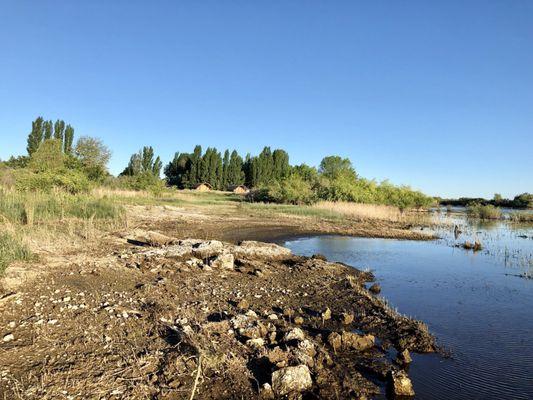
(484, 212)
(169, 197)
(28, 208)
(521, 217)
(12, 249)
(361, 211)
(271, 209)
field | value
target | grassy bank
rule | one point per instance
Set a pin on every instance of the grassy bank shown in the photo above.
(12, 249)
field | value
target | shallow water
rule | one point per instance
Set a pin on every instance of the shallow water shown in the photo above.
(476, 309)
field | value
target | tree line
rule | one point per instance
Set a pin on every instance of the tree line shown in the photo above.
(55, 159)
(187, 170)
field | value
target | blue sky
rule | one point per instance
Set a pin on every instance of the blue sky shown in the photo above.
(438, 95)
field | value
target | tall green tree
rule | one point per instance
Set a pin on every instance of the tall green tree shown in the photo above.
(281, 167)
(59, 131)
(225, 170)
(36, 135)
(235, 170)
(177, 171)
(48, 128)
(334, 166)
(68, 139)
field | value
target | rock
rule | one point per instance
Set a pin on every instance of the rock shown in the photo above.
(305, 352)
(258, 272)
(319, 256)
(207, 249)
(224, 261)
(404, 357)
(291, 380)
(272, 317)
(298, 320)
(264, 250)
(256, 343)
(243, 304)
(266, 392)
(401, 384)
(347, 318)
(278, 357)
(150, 238)
(294, 334)
(253, 331)
(375, 288)
(8, 338)
(335, 341)
(288, 312)
(326, 314)
(352, 340)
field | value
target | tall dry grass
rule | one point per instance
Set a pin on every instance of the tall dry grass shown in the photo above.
(362, 211)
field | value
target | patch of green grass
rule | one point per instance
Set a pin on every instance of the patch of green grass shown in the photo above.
(305, 211)
(34, 207)
(12, 249)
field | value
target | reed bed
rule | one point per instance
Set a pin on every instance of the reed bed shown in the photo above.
(361, 211)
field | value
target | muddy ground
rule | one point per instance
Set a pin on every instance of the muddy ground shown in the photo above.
(141, 315)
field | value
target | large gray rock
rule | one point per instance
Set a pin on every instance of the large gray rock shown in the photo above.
(223, 261)
(208, 249)
(291, 380)
(252, 248)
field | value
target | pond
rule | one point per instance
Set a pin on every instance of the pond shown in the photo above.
(474, 303)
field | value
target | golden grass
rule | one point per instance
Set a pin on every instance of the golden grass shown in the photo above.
(361, 211)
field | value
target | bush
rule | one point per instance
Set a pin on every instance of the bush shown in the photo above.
(480, 211)
(72, 181)
(142, 181)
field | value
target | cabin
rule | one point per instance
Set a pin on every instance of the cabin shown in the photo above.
(239, 189)
(203, 187)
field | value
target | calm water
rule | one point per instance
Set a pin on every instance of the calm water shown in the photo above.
(472, 302)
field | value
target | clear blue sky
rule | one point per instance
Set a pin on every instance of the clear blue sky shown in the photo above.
(438, 95)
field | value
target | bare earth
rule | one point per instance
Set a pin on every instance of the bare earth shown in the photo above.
(134, 314)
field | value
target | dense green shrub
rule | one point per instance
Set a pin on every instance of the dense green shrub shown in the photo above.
(72, 181)
(481, 211)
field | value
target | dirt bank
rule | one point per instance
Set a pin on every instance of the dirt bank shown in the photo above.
(234, 226)
(202, 319)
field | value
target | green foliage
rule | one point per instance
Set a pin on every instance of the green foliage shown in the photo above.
(481, 211)
(291, 190)
(48, 157)
(17, 207)
(333, 167)
(142, 181)
(143, 163)
(93, 155)
(45, 130)
(36, 135)
(72, 181)
(12, 249)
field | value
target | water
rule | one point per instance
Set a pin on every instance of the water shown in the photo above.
(472, 302)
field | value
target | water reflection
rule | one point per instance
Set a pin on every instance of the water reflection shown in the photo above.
(481, 314)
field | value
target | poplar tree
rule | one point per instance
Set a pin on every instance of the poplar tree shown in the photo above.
(235, 171)
(68, 139)
(36, 135)
(48, 128)
(225, 170)
(59, 131)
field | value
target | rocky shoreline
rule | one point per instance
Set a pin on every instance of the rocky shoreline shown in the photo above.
(164, 318)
